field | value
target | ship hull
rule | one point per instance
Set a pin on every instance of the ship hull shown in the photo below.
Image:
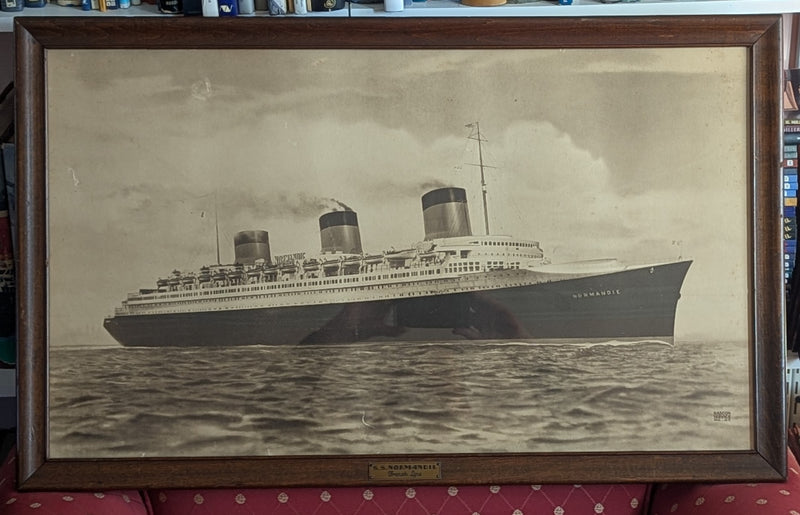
(628, 305)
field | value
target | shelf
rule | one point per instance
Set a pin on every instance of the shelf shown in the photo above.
(7, 18)
(542, 8)
(433, 8)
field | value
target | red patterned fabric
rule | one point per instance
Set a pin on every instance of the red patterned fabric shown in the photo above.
(128, 502)
(670, 499)
(429, 500)
(731, 499)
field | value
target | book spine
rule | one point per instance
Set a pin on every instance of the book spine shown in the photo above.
(791, 138)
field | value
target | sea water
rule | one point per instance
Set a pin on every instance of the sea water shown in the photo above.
(375, 398)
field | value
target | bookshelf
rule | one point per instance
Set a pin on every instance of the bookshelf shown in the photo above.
(535, 8)
(586, 8)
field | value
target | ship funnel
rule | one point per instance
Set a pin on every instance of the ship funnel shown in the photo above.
(445, 213)
(250, 246)
(338, 231)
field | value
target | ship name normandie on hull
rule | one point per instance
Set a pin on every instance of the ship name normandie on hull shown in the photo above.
(452, 285)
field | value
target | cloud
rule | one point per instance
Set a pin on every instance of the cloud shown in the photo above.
(595, 155)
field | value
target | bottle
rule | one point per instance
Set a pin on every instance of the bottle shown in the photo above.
(192, 7)
(210, 8)
(170, 6)
(11, 5)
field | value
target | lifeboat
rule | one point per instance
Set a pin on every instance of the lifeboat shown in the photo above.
(401, 254)
(331, 264)
(352, 261)
(288, 268)
(311, 265)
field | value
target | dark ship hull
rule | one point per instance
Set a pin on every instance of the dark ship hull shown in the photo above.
(627, 305)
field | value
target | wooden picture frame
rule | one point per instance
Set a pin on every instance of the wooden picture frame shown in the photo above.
(56, 55)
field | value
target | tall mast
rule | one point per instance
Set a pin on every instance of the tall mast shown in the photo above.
(480, 140)
(216, 225)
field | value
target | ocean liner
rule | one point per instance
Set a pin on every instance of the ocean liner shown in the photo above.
(451, 285)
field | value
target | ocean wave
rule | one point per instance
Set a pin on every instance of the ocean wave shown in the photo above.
(388, 398)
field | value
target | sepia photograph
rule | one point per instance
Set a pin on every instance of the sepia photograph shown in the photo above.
(472, 251)
(343, 252)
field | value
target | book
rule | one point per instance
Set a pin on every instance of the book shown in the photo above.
(789, 97)
(791, 138)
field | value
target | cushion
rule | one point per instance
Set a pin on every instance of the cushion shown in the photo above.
(731, 499)
(12, 502)
(453, 500)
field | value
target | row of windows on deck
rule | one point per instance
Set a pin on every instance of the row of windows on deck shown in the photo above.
(287, 285)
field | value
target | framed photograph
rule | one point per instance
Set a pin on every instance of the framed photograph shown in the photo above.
(299, 251)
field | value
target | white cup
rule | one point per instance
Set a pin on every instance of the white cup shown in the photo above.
(392, 6)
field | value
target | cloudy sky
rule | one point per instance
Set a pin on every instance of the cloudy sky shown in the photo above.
(636, 154)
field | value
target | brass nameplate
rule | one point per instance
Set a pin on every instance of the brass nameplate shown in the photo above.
(405, 470)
